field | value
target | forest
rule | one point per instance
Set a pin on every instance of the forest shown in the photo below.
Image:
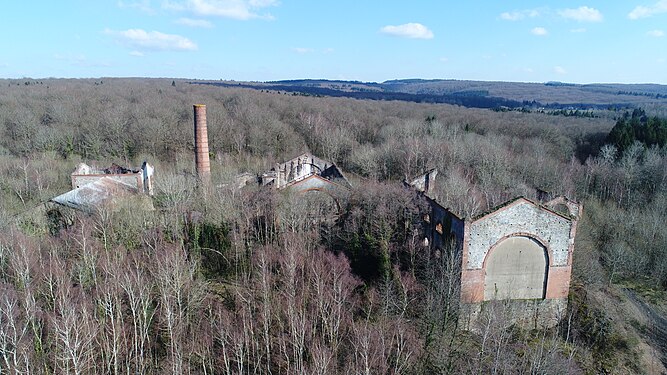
(258, 281)
(638, 127)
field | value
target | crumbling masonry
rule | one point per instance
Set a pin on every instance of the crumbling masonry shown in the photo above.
(520, 251)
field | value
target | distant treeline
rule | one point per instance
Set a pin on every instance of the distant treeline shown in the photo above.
(559, 84)
(647, 94)
(638, 127)
(465, 99)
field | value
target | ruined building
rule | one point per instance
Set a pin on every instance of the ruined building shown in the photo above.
(94, 188)
(520, 251)
(305, 173)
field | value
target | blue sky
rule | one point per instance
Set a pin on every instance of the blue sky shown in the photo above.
(367, 40)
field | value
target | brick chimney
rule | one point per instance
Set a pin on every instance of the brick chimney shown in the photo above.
(202, 162)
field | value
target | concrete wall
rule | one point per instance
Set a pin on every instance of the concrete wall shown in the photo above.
(516, 269)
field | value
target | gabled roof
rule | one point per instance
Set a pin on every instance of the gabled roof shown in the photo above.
(516, 201)
(95, 195)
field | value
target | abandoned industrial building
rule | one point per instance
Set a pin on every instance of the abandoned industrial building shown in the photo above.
(94, 188)
(304, 173)
(519, 251)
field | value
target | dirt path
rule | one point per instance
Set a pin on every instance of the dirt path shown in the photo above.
(656, 328)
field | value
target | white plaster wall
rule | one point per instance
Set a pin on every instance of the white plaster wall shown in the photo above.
(521, 217)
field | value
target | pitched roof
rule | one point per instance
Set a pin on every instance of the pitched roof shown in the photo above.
(95, 195)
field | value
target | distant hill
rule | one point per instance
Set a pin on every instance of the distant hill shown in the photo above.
(478, 94)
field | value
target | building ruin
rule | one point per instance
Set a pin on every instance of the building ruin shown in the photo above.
(94, 188)
(305, 172)
(519, 251)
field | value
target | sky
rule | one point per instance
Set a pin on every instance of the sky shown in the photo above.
(598, 41)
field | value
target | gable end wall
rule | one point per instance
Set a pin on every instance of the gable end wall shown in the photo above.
(519, 218)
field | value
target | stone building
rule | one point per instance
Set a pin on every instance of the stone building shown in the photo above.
(313, 184)
(305, 172)
(520, 251)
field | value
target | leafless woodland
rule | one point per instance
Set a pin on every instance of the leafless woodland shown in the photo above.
(245, 282)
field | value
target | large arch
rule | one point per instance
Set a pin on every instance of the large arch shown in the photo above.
(516, 268)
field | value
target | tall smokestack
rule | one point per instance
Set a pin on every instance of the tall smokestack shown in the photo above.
(202, 163)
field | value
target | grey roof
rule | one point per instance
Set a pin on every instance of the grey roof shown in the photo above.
(96, 194)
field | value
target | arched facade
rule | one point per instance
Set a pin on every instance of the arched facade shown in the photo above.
(519, 251)
(516, 267)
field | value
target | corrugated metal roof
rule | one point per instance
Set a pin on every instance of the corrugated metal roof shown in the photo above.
(95, 194)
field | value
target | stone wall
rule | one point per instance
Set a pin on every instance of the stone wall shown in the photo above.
(520, 217)
(530, 314)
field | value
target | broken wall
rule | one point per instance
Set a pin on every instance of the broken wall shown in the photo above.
(521, 251)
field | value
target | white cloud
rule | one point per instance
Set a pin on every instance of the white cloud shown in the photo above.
(560, 70)
(518, 15)
(648, 11)
(137, 54)
(582, 14)
(408, 30)
(328, 50)
(152, 40)
(444, 59)
(194, 23)
(539, 31)
(579, 30)
(234, 9)
(656, 33)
